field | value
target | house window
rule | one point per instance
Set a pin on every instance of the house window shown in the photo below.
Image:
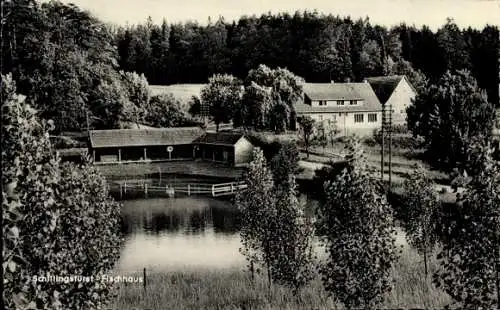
(320, 117)
(340, 102)
(353, 102)
(372, 117)
(358, 118)
(322, 102)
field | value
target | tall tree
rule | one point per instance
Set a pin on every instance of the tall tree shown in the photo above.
(448, 115)
(455, 49)
(222, 94)
(254, 110)
(356, 227)
(285, 164)
(286, 89)
(257, 214)
(292, 254)
(306, 130)
(422, 205)
(471, 257)
(166, 111)
(371, 59)
(57, 219)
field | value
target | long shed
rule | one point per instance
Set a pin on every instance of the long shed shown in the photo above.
(129, 145)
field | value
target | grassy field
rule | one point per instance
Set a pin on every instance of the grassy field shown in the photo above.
(182, 92)
(234, 289)
(403, 161)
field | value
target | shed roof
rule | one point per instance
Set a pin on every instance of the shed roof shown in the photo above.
(219, 138)
(362, 91)
(144, 137)
(384, 86)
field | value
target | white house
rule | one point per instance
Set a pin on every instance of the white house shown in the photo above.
(353, 107)
(395, 91)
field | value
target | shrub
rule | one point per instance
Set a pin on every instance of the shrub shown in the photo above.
(471, 253)
(355, 224)
(58, 220)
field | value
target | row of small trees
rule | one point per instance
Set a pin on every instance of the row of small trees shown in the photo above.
(355, 225)
(312, 133)
(276, 234)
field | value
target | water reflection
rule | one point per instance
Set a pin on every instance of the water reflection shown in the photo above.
(175, 233)
(165, 233)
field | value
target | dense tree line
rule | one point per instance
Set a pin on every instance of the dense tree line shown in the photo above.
(68, 62)
(314, 46)
(65, 62)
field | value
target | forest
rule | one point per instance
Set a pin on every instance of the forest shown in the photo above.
(315, 46)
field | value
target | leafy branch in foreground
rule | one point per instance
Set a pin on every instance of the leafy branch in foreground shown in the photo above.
(57, 219)
(471, 255)
(356, 226)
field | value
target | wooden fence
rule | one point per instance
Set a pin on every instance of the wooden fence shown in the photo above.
(203, 189)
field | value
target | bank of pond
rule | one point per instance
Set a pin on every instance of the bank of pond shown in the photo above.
(189, 247)
(199, 231)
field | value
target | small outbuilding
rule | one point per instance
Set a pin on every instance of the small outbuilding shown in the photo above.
(233, 149)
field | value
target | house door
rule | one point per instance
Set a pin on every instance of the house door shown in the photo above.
(225, 156)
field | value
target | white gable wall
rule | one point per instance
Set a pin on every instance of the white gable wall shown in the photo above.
(243, 152)
(400, 99)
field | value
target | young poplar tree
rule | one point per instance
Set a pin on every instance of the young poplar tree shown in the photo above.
(421, 203)
(256, 205)
(471, 255)
(356, 226)
(292, 242)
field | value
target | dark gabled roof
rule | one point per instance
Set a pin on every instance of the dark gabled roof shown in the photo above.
(219, 138)
(384, 86)
(331, 91)
(144, 137)
(363, 92)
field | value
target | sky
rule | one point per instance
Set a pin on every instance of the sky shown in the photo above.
(475, 13)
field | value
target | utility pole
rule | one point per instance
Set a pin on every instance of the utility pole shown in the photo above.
(386, 129)
(389, 129)
(382, 151)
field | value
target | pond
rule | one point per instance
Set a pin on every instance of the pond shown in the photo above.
(165, 234)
